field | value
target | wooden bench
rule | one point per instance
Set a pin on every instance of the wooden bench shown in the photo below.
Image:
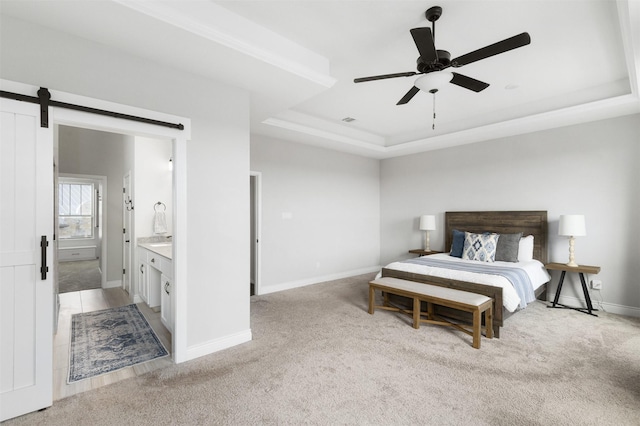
(435, 295)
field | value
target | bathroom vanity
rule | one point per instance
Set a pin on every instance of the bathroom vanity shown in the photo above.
(155, 279)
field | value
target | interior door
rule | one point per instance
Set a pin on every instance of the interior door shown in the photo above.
(26, 286)
(127, 210)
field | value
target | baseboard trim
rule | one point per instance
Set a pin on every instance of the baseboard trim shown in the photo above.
(612, 308)
(216, 345)
(315, 280)
(112, 284)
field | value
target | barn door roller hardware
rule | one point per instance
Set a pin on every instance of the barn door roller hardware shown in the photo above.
(44, 100)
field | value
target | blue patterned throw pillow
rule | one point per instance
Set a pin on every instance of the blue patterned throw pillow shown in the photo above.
(480, 247)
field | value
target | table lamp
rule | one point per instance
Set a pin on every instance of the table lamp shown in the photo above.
(572, 225)
(427, 223)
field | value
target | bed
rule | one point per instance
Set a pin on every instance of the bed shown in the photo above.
(502, 222)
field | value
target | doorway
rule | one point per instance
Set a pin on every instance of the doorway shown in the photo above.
(80, 234)
(81, 229)
(82, 154)
(255, 191)
(179, 138)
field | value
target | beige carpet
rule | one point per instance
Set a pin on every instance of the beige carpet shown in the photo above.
(79, 275)
(318, 357)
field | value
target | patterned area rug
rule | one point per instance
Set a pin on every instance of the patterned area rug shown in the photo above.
(109, 340)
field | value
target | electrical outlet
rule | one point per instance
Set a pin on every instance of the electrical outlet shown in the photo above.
(596, 284)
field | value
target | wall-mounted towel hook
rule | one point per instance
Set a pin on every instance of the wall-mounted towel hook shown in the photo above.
(158, 204)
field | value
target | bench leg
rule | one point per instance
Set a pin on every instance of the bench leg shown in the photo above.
(416, 312)
(488, 322)
(430, 311)
(477, 319)
(372, 299)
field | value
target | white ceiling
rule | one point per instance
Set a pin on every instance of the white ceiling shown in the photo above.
(299, 59)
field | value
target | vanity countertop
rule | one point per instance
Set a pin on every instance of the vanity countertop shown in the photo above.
(163, 249)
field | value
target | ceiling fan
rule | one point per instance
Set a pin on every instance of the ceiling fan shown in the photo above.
(432, 62)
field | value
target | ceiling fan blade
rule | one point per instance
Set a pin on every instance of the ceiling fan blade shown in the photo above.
(424, 42)
(382, 77)
(492, 50)
(468, 82)
(410, 94)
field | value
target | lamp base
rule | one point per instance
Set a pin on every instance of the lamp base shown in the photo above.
(572, 263)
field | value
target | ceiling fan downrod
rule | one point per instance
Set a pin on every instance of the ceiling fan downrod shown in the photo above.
(433, 14)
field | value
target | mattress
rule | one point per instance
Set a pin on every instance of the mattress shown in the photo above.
(534, 269)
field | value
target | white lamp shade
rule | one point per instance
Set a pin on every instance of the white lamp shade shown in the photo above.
(433, 80)
(427, 223)
(572, 225)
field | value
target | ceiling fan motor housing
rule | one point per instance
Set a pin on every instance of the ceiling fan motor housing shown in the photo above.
(444, 58)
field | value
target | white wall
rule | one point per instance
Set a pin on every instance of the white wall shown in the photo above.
(152, 183)
(217, 159)
(589, 169)
(320, 213)
(90, 152)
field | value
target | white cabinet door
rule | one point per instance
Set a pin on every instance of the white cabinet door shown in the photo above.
(153, 278)
(166, 304)
(142, 275)
(26, 289)
(142, 281)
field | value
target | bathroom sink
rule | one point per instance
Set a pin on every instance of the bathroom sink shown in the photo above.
(159, 244)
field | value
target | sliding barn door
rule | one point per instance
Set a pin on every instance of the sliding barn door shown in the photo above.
(26, 287)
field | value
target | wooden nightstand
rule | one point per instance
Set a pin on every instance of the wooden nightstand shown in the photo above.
(421, 252)
(580, 270)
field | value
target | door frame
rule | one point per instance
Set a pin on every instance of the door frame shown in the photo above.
(68, 117)
(127, 213)
(256, 205)
(85, 120)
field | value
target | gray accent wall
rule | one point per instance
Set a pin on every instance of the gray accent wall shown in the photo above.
(320, 213)
(591, 169)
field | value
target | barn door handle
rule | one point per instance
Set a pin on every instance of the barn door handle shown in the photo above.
(43, 256)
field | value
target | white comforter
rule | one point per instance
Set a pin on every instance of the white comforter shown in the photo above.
(510, 298)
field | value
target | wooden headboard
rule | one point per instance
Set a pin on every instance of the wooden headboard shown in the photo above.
(502, 222)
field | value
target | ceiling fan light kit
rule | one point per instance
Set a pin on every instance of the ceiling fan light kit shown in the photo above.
(432, 62)
(434, 81)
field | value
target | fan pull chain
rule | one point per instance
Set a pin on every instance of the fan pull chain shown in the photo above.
(433, 92)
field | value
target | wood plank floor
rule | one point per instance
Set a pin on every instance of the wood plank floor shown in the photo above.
(95, 300)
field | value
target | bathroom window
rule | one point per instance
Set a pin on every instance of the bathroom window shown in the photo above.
(76, 212)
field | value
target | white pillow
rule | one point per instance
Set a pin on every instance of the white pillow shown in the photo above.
(525, 249)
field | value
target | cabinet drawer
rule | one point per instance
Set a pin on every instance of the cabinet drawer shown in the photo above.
(154, 260)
